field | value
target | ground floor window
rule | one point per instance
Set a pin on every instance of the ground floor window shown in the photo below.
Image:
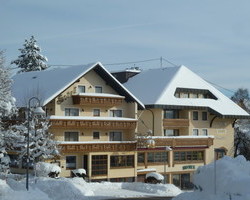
(182, 156)
(99, 165)
(182, 181)
(157, 157)
(219, 153)
(70, 162)
(125, 179)
(122, 161)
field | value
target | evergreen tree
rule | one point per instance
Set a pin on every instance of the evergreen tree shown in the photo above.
(242, 126)
(30, 58)
(7, 108)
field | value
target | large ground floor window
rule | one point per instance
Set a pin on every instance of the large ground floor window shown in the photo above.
(99, 165)
(183, 156)
(182, 181)
(122, 161)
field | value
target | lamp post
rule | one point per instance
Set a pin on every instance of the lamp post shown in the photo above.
(38, 111)
(167, 148)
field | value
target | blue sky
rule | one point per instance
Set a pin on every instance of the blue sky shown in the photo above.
(211, 37)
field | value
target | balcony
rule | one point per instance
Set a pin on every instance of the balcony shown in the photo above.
(73, 147)
(110, 123)
(175, 123)
(97, 99)
(184, 141)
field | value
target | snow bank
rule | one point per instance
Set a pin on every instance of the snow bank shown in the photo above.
(43, 169)
(43, 188)
(232, 180)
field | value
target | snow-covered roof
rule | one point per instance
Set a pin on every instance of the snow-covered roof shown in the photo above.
(157, 87)
(48, 84)
(56, 117)
(156, 175)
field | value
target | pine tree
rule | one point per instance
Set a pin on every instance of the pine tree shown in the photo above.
(242, 126)
(30, 58)
(7, 108)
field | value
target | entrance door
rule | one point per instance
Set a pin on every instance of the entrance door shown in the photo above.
(85, 163)
(182, 181)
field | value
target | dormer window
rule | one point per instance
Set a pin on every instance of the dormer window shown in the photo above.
(194, 93)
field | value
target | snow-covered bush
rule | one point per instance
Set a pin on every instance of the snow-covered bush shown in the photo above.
(154, 178)
(47, 169)
(79, 173)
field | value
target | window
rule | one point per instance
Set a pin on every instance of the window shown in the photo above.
(96, 135)
(185, 95)
(204, 116)
(195, 131)
(71, 136)
(98, 89)
(122, 161)
(81, 89)
(70, 162)
(204, 132)
(96, 112)
(71, 112)
(141, 158)
(115, 136)
(219, 153)
(182, 156)
(171, 132)
(157, 157)
(115, 113)
(171, 114)
(195, 115)
(99, 165)
(195, 95)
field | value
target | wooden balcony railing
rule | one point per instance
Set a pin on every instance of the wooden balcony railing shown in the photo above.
(175, 123)
(94, 124)
(182, 141)
(100, 147)
(97, 100)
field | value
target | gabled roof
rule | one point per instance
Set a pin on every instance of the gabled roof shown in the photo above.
(157, 87)
(48, 84)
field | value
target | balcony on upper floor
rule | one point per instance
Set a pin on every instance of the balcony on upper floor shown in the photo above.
(111, 123)
(97, 99)
(181, 141)
(167, 123)
(73, 147)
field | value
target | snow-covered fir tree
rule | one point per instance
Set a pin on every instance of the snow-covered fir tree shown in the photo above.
(7, 108)
(42, 146)
(30, 58)
(242, 126)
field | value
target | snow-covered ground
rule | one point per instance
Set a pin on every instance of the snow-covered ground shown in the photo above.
(77, 189)
(232, 181)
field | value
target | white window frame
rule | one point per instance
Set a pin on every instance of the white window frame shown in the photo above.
(99, 86)
(95, 109)
(78, 92)
(112, 110)
(202, 131)
(71, 108)
(197, 131)
(114, 132)
(71, 132)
